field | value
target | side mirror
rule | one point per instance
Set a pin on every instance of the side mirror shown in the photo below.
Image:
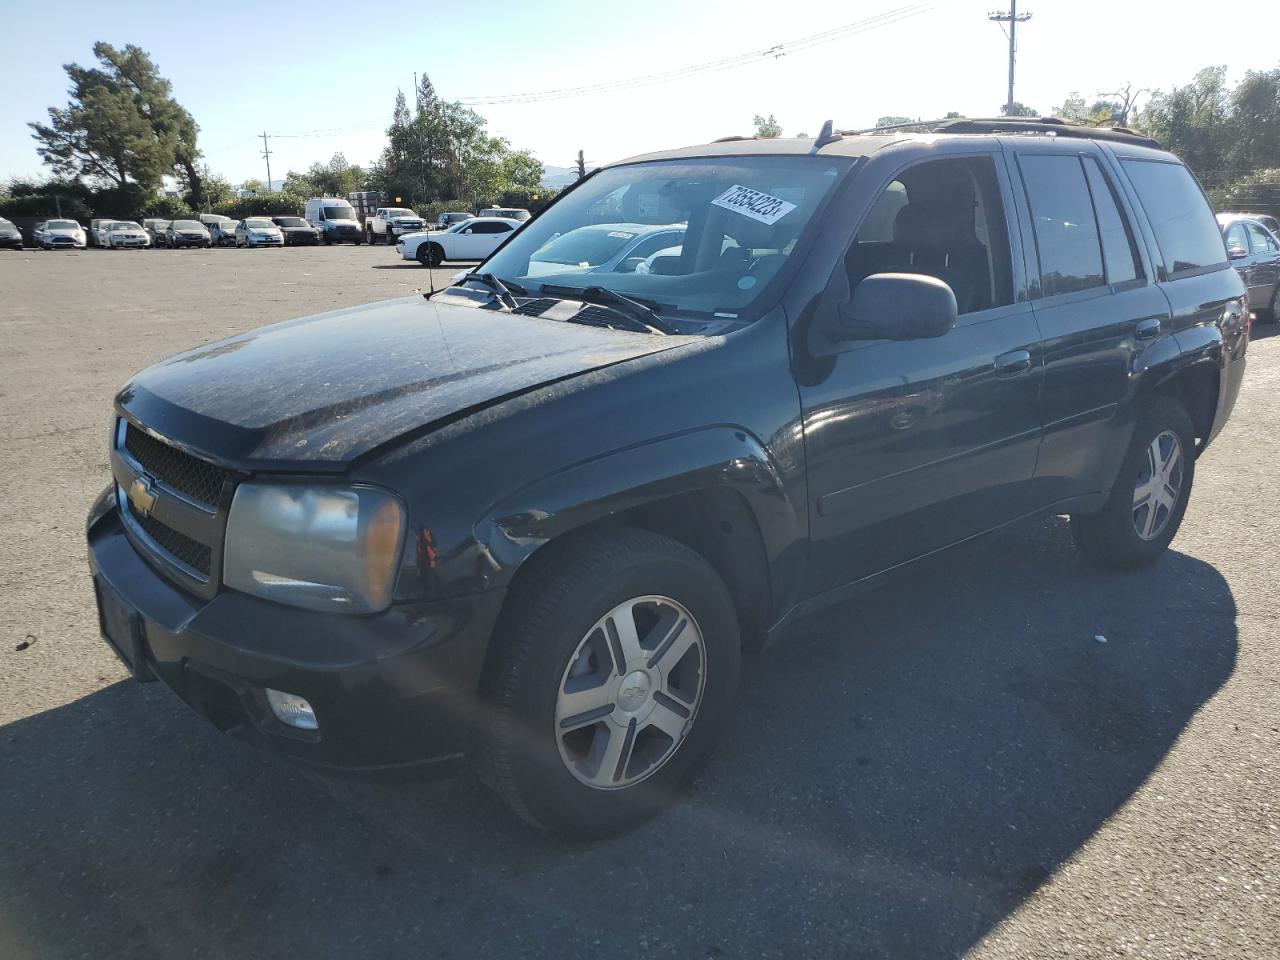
(899, 306)
(629, 265)
(1237, 253)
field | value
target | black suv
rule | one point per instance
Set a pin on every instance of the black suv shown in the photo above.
(533, 520)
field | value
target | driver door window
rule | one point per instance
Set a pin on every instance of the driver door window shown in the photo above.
(943, 219)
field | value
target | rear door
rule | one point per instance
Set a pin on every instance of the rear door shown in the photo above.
(914, 445)
(1192, 268)
(1265, 268)
(1097, 307)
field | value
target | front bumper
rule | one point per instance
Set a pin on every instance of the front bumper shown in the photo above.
(396, 691)
(301, 239)
(264, 241)
(188, 242)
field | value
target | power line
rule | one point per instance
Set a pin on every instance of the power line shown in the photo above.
(776, 51)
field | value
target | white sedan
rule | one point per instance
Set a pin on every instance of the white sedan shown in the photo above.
(472, 239)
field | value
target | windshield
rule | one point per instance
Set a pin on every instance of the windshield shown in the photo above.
(258, 223)
(63, 225)
(729, 224)
(123, 226)
(186, 225)
(339, 213)
(507, 213)
(291, 222)
(400, 212)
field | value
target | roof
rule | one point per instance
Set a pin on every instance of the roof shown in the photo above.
(863, 143)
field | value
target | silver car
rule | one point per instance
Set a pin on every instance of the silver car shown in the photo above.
(258, 232)
(122, 235)
(58, 235)
(1255, 253)
(605, 248)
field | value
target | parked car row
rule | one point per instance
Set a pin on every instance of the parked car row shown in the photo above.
(325, 220)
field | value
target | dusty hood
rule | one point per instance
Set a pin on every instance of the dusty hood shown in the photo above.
(319, 392)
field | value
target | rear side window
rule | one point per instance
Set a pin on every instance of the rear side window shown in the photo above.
(1259, 242)
(1065, 227)
(1185, 229)
(1119, 251)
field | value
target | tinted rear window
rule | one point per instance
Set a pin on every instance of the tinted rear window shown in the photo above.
(1184, 225)
(1066, 231)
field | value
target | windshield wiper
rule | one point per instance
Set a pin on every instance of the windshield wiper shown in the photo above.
(500, 290)
(640, 314)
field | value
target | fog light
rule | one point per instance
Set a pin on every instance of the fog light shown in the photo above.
(292, 710)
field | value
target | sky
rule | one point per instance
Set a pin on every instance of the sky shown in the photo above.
(321, 77)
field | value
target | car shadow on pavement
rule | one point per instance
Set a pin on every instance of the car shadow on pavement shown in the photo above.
(902, 772)
(1263, 329)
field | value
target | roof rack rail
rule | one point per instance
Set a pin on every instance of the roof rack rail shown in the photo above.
(1052, 125)
(893, 126)
(733, 139)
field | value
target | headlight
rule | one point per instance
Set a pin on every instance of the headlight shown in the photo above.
(325, 548)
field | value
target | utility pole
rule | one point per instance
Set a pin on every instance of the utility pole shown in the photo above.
(266, 153)
(582, 166)
(1013, 18)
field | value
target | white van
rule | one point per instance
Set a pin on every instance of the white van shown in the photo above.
(335, 219)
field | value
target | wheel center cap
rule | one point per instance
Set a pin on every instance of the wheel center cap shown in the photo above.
(633, 692)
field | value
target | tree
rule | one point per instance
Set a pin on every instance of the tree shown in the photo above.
(425, 96)
(767, 129)
(337, 178)
(1194, 121)
(217, 190)
(1017, 109)
(122, 125)
(445, 152)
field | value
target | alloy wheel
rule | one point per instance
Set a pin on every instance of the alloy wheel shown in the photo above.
(1155, 496)
(630, 693)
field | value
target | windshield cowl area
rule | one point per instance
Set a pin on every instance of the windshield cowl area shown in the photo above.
(702, 237)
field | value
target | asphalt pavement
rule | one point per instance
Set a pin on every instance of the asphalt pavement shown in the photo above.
(1003, 754)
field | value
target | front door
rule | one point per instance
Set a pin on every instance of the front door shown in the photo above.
(914, 445)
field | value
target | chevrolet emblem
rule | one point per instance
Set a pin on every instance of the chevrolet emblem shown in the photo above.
(141, 496)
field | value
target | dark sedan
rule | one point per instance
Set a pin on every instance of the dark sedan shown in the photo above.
(296, 231)
(1255, 253)
(187, 233)
(10, 236)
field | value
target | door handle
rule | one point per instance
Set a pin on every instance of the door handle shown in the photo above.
(1012, 363)
(1147, 329)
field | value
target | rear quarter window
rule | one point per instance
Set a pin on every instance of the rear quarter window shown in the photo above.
(1185, 229)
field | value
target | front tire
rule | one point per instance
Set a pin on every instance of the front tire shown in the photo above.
(1150, 494)
(614, 664)
(431, 255)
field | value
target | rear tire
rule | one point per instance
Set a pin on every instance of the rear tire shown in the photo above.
(664, 683)
(1149, 496)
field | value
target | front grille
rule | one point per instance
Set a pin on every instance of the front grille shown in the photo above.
(198, 479)
(194, 554)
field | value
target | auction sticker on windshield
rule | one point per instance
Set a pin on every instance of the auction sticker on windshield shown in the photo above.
(754, 204)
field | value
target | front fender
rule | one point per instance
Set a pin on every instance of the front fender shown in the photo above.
(723, 456)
